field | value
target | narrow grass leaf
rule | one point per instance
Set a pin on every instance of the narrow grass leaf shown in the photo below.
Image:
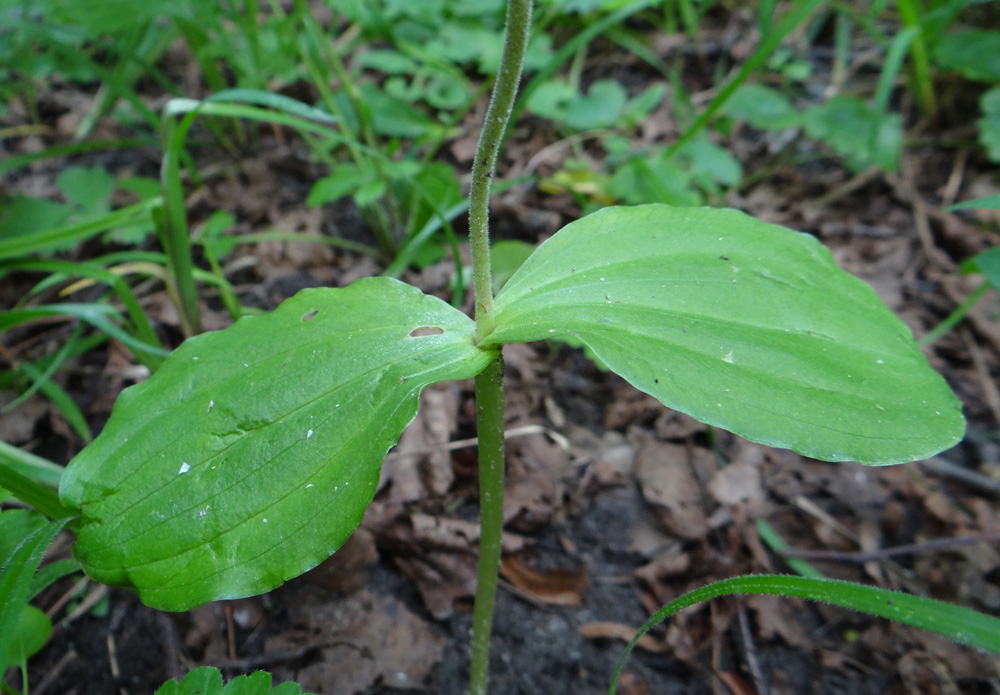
(97, 315)
(41, 241)
(24, 536)
(958, 623)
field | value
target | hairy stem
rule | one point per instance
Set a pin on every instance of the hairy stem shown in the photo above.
(483, 166)
(489, 383)
(490, 421)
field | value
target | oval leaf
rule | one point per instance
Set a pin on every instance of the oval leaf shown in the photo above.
(739, 323)
(252, 453)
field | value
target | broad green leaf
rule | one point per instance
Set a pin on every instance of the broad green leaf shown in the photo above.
(958, 623)
(856, 131)
(741, 324)
(207, 680)
(762, 107)
(975, 53)
(600, 107)
(252, 453)
(31, 632)
(85, 186)
(345, 179)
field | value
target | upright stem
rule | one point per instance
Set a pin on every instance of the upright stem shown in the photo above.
(490, 421)
(497, 116)
(489, 383)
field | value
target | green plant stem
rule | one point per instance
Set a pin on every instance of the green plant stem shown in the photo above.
(954, 317)
(490, 422)
(489, 382)
(909, 12)
(484, 164)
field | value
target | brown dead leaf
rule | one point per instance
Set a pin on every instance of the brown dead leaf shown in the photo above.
(735, 683)
(777, 616)
(672, 563)
(922, 673)
(17, 425)
(738, 488)
(673, 424)
(420, 462)
(614, 463)
(667, 482)
(625, 633)
(442, 579)
(558, 587)
(632, 684)
(371, 638)
(530, 501)
(346, 570)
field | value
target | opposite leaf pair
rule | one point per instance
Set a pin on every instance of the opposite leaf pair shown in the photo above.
(252, 453)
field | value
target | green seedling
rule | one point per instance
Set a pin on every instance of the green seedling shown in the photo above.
(987, 263)
(196, 488)
(208, 681)
(252, 453)
(24, 630)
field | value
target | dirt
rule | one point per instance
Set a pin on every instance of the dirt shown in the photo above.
(598, 539)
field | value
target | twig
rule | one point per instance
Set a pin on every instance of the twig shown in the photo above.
(883, 553)
(171, 646)
(230, 632)
(907, 192)
(268, 660)
(54, 672)
(946, 469)
(65, 598)
(849, 186)
(522, 431)
(955, 179)
(989, 386)
(750, 652)
(85, 605)
(810, 508)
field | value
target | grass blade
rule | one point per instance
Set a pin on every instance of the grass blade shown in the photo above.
(958, 623)
(42, 241)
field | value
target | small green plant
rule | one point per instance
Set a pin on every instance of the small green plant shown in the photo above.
(987, 263)
(252, 453)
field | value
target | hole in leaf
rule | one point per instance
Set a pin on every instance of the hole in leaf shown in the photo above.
(426, 330)
(310, 315)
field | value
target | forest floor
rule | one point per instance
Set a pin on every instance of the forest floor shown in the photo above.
(615, 505)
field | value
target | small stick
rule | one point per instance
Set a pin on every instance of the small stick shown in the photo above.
(54, 672)
(989, 386)
(230, 633)
(894, 551)
(750, 652)
(946, 469)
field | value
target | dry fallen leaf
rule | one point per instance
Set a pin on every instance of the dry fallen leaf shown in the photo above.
(371, 638)
(619, 631)
(738, 488)
(558, 587)
(668, 483)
